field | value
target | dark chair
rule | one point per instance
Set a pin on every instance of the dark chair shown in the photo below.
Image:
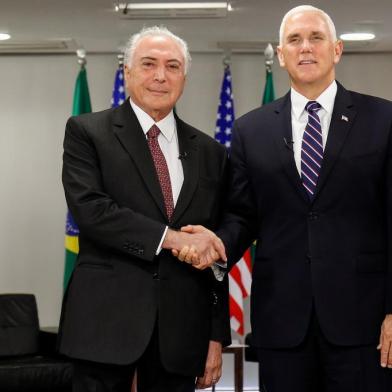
(28, 361)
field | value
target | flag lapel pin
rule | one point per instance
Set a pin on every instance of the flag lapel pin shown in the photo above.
(344, 118)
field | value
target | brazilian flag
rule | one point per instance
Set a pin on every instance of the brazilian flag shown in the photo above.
(81, 104)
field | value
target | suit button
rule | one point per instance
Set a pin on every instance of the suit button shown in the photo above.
(214, 298)
(308, 259)
(313, 216)
(155, 276)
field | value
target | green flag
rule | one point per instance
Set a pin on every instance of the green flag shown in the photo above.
(81, 104)
(269, 93)
(268, 96)
(81, 101)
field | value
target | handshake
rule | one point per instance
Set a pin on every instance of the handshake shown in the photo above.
(195, 245)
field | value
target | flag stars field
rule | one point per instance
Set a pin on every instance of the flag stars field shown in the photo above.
(118, 96)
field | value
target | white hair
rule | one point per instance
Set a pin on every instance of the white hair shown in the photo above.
(156, 31)
(307, 8)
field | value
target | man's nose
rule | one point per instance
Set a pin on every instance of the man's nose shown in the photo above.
(160, 74)
(306, 45)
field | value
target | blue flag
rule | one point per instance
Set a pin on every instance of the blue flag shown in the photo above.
(225, 116)
(118, 96)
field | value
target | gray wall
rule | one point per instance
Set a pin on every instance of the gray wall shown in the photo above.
(35, 101)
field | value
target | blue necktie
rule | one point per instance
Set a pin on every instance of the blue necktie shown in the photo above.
(312, 149)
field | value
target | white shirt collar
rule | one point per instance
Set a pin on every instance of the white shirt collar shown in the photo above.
(167, 125)
(326, 100)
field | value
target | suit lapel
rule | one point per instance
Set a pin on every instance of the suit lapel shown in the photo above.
(188, 148)
(282, 130)
(130, 134)
(343, 116)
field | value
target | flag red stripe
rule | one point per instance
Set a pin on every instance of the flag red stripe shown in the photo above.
(237, 312)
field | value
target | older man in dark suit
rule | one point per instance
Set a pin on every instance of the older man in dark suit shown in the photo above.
(132, 175)
(311, 179)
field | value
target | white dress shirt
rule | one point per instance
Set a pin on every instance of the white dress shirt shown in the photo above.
(168, 142)
(299, 117)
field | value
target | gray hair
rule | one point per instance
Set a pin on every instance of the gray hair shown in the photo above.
(307, 8)
(154, 31)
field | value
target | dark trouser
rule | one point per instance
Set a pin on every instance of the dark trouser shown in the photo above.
(151, 375)
(319, 366)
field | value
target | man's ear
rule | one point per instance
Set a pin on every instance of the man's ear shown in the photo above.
(280, 56)
(127, 75)
(338, 51)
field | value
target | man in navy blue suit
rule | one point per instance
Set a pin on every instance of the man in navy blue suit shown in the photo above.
(311, 180)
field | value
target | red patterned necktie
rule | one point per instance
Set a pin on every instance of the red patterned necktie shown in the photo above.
(161, 168)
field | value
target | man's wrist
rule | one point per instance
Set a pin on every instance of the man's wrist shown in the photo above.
(171, 239)
(215, 345)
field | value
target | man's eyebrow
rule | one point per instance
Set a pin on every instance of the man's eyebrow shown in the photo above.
(317, 32)
(293, 35)
(174, 62)
(155, 59)
(148, 58)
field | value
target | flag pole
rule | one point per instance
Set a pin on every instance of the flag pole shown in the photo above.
(118, 92)
(227, 58)
(81, 54)
(269, 57)
(240, 275)
(81, 104)
(120, 58)
(269, 92)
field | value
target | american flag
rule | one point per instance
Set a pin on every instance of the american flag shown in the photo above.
(240, 275)
(118, 95)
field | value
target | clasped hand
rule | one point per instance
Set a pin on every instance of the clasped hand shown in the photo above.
(199, 246)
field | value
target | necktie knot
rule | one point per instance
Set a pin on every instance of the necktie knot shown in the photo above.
(153, 132)
(312, 107)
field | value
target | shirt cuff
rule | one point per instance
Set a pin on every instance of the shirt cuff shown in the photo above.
(161, 242)
(221, 264)
(219, 271)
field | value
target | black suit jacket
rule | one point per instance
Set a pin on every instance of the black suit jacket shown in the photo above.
(333, 253)
(120, 288)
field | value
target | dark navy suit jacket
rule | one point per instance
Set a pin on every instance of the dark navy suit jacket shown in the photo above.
(333, 254)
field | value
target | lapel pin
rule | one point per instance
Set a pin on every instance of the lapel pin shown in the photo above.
(344, 118)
